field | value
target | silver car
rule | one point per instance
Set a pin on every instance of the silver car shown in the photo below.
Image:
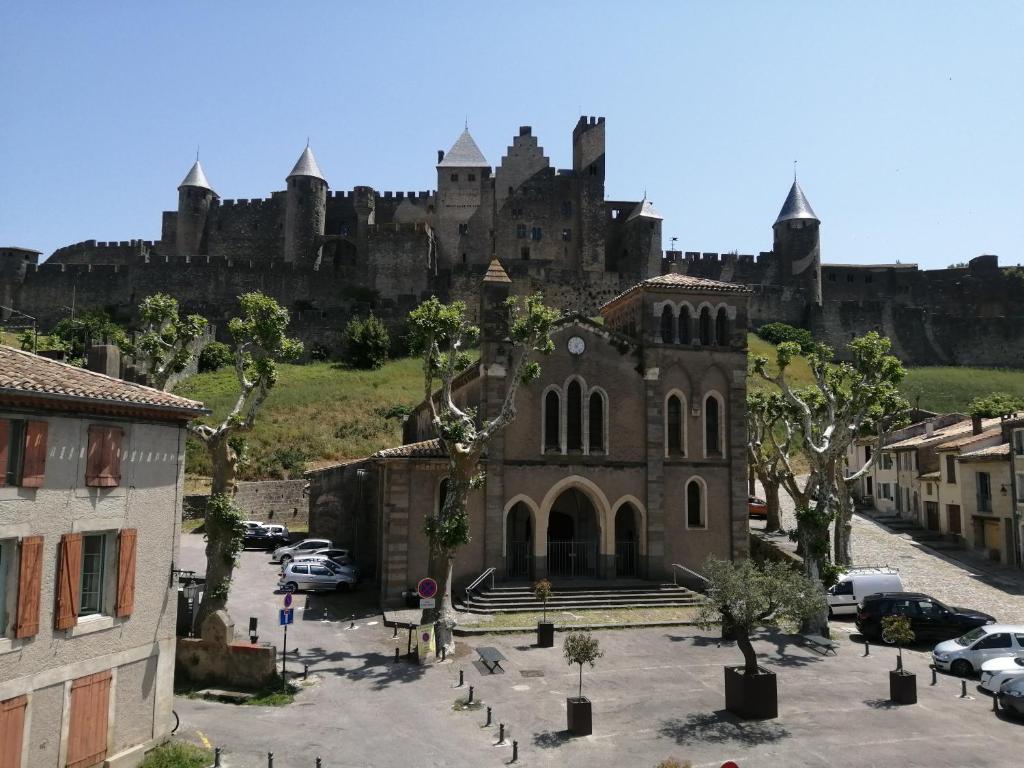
(304, 547)
(315, 577)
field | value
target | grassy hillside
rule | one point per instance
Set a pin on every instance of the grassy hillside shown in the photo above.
(320, 413)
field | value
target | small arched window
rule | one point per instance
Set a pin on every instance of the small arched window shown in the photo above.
(722, 327)
(685, 337)
(712, 427)
(668, 322)
(705, 327)
(574, 417)
(674, 426)
(695, 505)
(552, 422)
(442, 495)
(596, 423)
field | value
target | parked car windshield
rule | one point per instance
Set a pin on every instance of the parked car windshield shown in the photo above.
(970, 637)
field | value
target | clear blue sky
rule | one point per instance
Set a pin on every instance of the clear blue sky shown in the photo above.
(907, 118)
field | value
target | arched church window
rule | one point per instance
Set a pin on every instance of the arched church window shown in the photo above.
(596, 423)
(674, 426)
(552, 422)
(442, 495)
(713, 427)
(695, 512)
(722, 327)
(668, 322)
(705, 327)
(684, 325)
(574, 417)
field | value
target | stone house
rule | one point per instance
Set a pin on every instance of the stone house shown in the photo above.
(985, 492)
(627, 455)
(91, 472)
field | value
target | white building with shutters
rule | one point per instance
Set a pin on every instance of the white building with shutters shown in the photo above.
(91, 472)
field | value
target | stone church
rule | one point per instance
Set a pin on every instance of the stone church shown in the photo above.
(626, 456)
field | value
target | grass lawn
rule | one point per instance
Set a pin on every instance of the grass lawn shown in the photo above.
(178, 754)
(564, 618)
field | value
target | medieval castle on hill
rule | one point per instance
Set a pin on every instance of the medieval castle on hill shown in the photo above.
(328, 255)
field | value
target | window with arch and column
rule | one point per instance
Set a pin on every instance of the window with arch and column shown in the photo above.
(574, 416)
(552, 422)
(668, 325)
(722, 327)
(696, 504)
(705, 327)
(442, 494)
(574, 419)
(675, 425)
(596, 423)
(685, 337)
(714, 423)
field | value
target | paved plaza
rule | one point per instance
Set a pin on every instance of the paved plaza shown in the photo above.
(657, 693)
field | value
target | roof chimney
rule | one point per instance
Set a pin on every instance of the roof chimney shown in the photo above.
(929, 427)
(105, 359)
(976, 425)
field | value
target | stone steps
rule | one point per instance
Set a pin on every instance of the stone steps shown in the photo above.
(517, 599)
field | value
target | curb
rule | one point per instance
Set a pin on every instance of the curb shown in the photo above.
(471, 631)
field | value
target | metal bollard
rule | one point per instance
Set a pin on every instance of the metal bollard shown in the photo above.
(963, 689)
(305, 671)
(216, 757)
(319, 762)
(470, 699)
(995, 703)
(270, 760)
(395, 635)
(396, 654)
(501, 733)
(935, 676)
(461, 680)
(867, 648)
(488, 723)
(444, 653)
(515, 751)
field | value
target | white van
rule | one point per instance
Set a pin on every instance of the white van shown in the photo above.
(857, 583)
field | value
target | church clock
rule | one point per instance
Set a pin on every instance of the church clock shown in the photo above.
(577, 345)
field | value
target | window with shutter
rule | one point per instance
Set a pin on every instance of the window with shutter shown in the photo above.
(30, 573)
(103, 461)
(12, 731)
(34, 468)
(126, 572)
(22, 452)
(69, 574)
(87, 731)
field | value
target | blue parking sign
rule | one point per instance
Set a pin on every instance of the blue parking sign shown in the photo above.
(285, 616)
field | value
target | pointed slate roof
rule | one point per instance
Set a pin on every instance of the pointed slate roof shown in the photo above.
(645, 209)
(464, 154)
(306, 166)
(196, 178)
(496, 273)
(796, 206)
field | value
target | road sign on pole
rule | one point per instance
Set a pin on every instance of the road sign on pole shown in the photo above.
(427, 588)
(427, 602)
(285, 616)
(288, 600)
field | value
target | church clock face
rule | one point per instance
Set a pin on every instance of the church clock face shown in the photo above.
(576, 345)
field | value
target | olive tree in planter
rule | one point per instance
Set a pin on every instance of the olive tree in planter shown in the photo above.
(545, 628)
(580, 648)
(744, 596)
(902, 684)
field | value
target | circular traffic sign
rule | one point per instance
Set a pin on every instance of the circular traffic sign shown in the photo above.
(729, 764)
(288, 600)
(427, 588)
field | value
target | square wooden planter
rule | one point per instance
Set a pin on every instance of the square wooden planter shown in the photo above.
(752, 697)
(579, 719)
(545, 634)
(902, 687)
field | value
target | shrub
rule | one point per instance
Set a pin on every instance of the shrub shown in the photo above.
(996, 404)
(673, 763)
(366, 343)
(776, 333)
(582, 648)
(215, 356)
(542, 591)
(177, 754)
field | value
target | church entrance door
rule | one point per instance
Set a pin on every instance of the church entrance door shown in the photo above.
(573, 536)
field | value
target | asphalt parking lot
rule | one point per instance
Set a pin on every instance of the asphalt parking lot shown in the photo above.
(657, 693)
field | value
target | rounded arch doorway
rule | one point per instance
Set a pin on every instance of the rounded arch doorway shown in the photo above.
(519, 542)
(627, 541)
(573, 536)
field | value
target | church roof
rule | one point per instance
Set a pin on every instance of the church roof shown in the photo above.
(496, 273)
(644, 209)
(796, 206)
(306, 166)
(196, 178)
(425, 449)
(464, 154)
(674, 280)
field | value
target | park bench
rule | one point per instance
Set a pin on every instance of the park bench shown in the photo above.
(490, 658)
(821, 644)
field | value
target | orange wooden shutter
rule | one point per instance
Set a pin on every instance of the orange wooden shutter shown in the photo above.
(12, 731)
(69, 578)
(87, 733)
(126, 572)
(5, 442)
(30, 573)
(94, 457)
(34, 467)
(103, 463)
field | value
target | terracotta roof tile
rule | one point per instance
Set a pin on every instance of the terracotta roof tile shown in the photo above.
(964, 440)
(22, 373)
(992, 453)
(674, 280)
(425, 449)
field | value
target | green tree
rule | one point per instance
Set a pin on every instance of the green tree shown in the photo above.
(769, 443)
(777, 333)
(542, 591)
(440, 334)
(215, 355)
(581, 648)
(366, 343)
(745, 596)
(995, 405)
(897, 631)
(93, 326)
(168, 342)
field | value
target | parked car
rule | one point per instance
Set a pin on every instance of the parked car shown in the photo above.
(277, 535)
(304, 547)
(995, 672)
(340, 556)
(930, 619)
(1011, 696)
(967, 653)
(255, 534)
(316, 557)
(757, 507)
(857, 583)
(313, 576)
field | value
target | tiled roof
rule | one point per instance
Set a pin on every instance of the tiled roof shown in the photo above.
(676, 281)
(25, 374)
(426, 449)
(645, 209)
(306, 165)
(796, 206)
(963, 440)
(496, 273)
(960, 431)
(196, 178)
(464, 154)
(992, 453)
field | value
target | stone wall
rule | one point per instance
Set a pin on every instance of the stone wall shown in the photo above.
(273, 501)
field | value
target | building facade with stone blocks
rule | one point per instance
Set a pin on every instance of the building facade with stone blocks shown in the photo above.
(626, 456)
(91, 472)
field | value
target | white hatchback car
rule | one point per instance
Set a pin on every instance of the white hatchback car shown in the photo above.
(997, 671)
(967, 653)
(313, 576)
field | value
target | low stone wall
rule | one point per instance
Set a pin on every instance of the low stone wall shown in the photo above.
(763, 549)
(215, 658)
(276, 501)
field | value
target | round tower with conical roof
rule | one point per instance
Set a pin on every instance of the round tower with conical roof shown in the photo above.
(305, 210)
(195, 196)
(797, 245)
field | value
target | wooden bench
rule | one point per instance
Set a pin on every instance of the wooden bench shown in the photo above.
(821, 644)
(490, 658)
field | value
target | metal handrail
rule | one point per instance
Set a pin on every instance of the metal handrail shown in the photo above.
(479, 580)
(675, 566)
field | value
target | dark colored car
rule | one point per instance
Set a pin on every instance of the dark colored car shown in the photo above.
(268, 536)
(1011, 696)
(930, 619)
